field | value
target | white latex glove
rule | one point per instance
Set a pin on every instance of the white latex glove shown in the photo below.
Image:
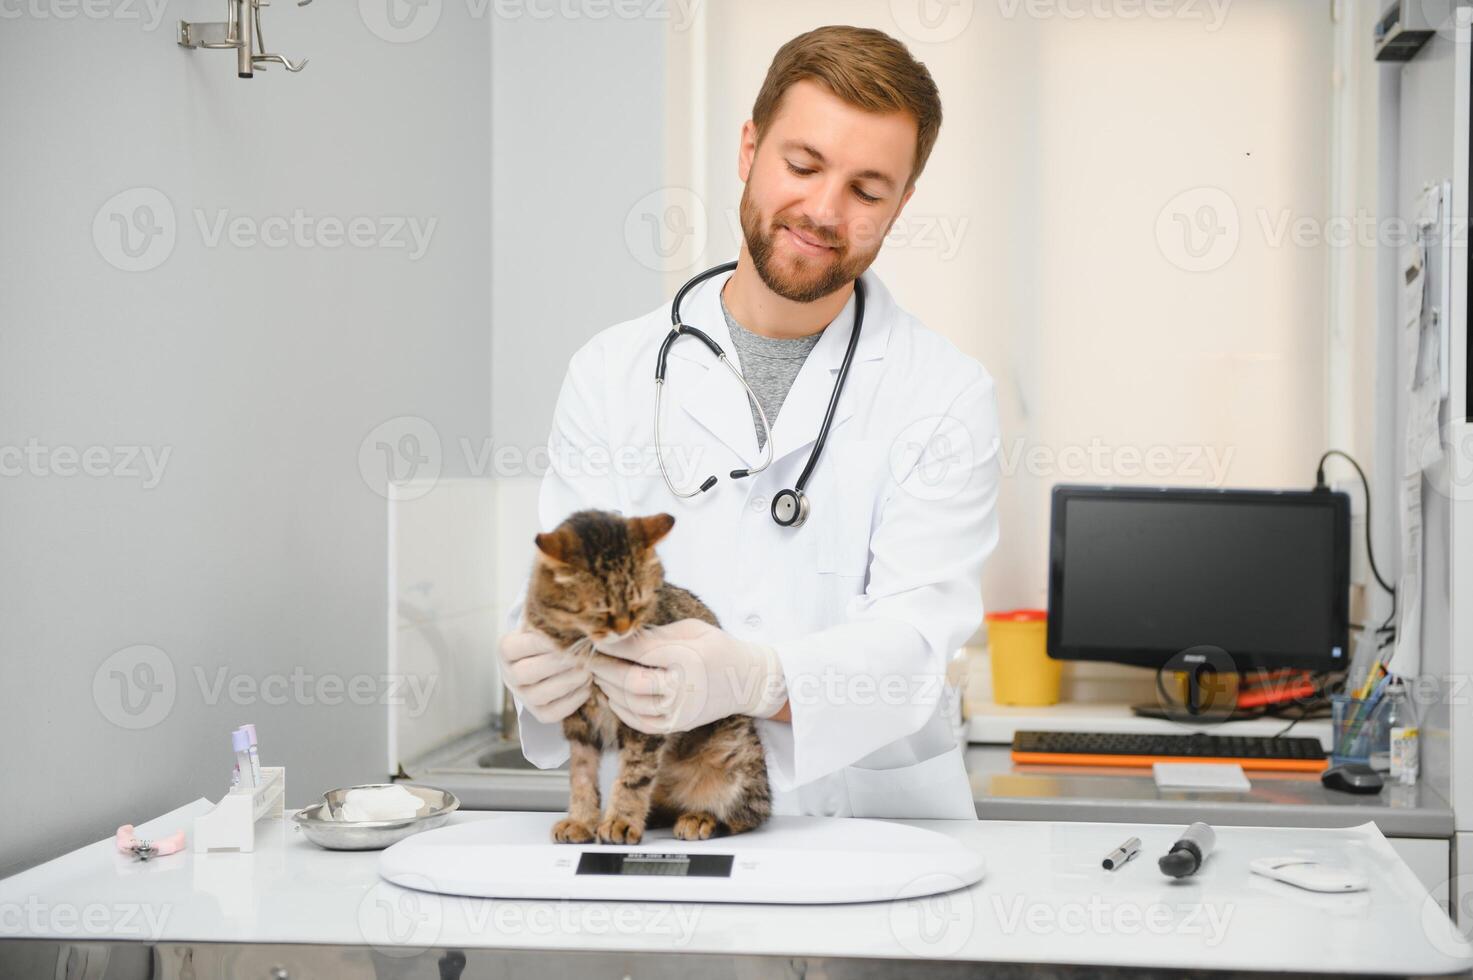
(549, 681)
(681, 676)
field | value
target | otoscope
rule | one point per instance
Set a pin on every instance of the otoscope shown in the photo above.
(1188, 853)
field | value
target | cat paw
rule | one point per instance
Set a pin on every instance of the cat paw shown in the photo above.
(616, 830)
(695, 826)
(570, 831)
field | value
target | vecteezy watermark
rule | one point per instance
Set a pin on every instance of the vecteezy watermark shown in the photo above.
(831, 686)
(135, 230)
(1099, 460)
(1452, 475)
(1199, 229)
(150, 13)
(932, 21)
(145, 463)
(933, 457)
(674, 924)
(1101, 915)
(939, 924)
(1212, 13)
(1451, 938)
(135, 688)
(303, 688)
(132, 920)
(301, 230)
(400, 21)
(400, 459)
(405, 21)
(402, 919)
(666, 229)
(942, 234)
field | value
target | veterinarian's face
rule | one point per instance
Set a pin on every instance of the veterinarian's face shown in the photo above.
(822, 190)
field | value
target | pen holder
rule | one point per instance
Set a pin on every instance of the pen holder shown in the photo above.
(231, 825)
(1358, 727)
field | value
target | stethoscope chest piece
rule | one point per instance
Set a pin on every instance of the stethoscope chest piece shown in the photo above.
(790, 508)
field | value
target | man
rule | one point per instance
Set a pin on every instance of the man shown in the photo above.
(835, 633)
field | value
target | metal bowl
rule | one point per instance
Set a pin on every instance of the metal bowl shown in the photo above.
(318, 823)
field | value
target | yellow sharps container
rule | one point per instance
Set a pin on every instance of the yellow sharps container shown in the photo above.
(1022, 671)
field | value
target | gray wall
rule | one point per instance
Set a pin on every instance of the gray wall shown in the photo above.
(579, 144)
(259, 370)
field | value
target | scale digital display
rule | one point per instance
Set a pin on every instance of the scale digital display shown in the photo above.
(651, 863)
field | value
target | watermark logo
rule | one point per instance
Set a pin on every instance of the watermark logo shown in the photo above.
(135, 687)
(1102, 916)
(933, 457)
(1199, 229)
(149, 12)
(1101, 461)
(135, 229)
(1212, 13)
(97, 920)
(1198, 685)
(938, 925)
(400, 21)
(302, 230)
(401, 921)
(1453, 939)
(1452, 475)
(932, 21)
(666, 229)
(144, 463)
(401, 458)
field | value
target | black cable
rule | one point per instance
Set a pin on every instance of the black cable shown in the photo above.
(1314, 702)
(1319, 484)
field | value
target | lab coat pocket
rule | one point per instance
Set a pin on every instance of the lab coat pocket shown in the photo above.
(932, 789)
(847, 496)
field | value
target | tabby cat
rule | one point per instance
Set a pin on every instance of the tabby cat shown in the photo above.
(597, 576)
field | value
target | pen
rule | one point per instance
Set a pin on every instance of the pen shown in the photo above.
(1122, 854)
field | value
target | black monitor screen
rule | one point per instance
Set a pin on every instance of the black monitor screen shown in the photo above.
(1140, 576)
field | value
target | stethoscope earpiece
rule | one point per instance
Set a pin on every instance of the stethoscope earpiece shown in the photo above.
(789, 507)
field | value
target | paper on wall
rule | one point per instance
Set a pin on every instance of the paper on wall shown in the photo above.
(1419, 354)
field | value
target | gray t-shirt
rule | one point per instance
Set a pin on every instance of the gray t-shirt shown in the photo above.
(769, 364)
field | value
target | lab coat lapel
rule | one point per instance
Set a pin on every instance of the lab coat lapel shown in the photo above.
(801, 415)
(717, 400)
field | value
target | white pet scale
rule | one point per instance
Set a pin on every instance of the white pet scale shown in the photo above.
(787, 861)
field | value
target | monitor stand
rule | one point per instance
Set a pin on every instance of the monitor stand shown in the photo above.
(1254, 693)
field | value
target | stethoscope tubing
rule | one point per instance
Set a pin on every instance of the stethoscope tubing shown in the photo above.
(679, 328)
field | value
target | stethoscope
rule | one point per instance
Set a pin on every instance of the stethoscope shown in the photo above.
(789, 507)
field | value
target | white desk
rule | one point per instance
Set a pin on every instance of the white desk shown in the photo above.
(1044, 899)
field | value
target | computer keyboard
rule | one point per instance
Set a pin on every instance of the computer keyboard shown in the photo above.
(1261, 752)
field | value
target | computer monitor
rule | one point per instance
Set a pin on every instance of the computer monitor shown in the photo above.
(1142, 575)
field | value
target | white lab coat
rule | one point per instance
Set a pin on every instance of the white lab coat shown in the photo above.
(864, 603)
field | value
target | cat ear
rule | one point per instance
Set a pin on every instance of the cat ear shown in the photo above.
(650, 530)
(558, 545)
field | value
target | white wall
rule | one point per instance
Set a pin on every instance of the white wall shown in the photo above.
(1041, 237)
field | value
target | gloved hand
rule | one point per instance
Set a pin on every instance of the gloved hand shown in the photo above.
(681, 676)
(551, 682)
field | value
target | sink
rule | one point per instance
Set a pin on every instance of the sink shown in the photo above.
(506, 757)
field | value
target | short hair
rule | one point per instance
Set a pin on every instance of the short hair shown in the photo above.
(866, 68)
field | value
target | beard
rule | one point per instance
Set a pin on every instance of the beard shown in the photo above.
(806, 278)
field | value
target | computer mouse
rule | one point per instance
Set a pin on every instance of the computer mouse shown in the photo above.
(1352, 777)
